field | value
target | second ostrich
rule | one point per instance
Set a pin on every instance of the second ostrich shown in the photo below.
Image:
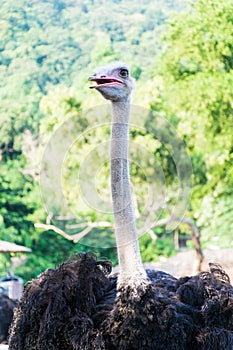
(79, 306)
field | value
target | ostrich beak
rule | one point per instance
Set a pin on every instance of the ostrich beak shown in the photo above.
(104, 81)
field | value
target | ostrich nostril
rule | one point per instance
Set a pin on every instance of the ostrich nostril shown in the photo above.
(103, 76)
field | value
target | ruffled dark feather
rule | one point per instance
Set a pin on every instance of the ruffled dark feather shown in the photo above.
(7, 306)
(77, 306)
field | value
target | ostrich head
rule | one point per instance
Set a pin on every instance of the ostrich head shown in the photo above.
(113, 82)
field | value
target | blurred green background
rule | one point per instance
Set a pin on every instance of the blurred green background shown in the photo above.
(181, 55)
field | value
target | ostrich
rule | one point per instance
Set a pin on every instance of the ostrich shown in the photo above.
(7, 306)
(81, 306)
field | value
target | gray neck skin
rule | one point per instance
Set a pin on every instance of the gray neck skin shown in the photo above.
(125, 229)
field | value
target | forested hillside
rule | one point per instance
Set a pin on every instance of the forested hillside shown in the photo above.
(183, 69)
(49, 43)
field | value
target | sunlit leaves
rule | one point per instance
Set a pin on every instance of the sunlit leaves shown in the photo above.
(197, 71)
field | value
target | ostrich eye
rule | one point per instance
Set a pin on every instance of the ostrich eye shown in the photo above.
(124, 73)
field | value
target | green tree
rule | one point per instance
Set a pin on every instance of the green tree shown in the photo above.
(197, 71)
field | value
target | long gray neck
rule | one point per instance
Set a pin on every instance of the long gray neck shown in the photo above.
(125, 229)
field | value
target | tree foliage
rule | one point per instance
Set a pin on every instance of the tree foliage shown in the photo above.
(197, 71)
(48, 49)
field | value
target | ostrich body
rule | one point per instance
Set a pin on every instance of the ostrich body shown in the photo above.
(80, 306)
(7, 306)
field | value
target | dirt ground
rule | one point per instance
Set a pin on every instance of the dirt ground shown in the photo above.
(182, 264)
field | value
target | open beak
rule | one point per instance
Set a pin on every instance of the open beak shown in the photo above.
(107, 81)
